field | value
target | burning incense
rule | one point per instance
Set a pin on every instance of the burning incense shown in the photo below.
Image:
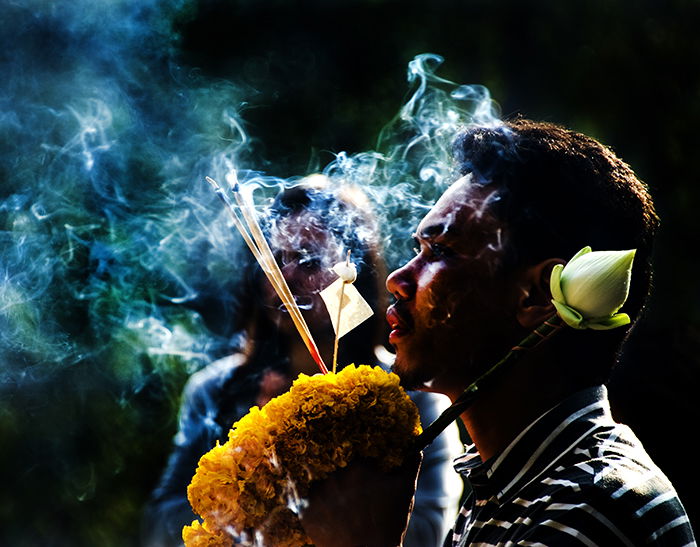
(236, 221)
(256, 242)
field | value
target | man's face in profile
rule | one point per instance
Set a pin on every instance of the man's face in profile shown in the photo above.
(452, 311)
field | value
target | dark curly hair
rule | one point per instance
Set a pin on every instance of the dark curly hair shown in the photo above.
(558, 191)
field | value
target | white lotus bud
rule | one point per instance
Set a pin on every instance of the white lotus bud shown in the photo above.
(592, 287)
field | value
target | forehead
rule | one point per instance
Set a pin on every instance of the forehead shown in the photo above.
(461, 211)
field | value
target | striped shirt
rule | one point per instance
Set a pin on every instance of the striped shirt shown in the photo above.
(573, 477)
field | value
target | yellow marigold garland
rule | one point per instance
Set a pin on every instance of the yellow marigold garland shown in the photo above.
(244, 487)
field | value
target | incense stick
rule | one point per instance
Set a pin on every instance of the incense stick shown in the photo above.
(236, 221)
(270, 264)
(263, 254)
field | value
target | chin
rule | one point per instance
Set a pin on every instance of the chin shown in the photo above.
(412, 378)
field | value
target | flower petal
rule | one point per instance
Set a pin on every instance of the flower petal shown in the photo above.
(555, 284)
(569, 315)
(582, 252)
(596, 284)
(607, 323)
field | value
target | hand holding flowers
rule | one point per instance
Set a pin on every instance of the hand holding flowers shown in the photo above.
(252, 487)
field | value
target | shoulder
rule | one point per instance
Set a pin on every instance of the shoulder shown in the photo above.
(609, 492)
(201, 402)
(205, 384)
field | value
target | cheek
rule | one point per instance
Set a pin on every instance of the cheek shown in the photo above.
(438, 299)
(450, 299)
(447, 309)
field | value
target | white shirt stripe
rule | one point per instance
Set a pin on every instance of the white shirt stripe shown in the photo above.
(571, 531)
(595, 514)
(676, 522)
(634, 482)
(553, 435)
(653, 503)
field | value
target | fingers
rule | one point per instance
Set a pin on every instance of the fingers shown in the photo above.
(362, 505)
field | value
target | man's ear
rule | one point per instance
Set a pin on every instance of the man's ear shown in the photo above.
(534, 304)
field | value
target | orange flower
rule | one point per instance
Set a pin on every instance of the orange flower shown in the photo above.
(248, 485)
(199, 535)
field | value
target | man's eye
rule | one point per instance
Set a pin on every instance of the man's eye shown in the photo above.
(438, 250)
(433, 250)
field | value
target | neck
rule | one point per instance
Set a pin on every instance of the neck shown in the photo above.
(513, 400)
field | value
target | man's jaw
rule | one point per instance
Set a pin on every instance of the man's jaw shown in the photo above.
(402, 337)
(411, 379)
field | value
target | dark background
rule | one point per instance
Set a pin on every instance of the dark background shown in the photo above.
(321, 77)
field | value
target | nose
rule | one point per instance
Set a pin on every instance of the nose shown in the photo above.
(401, 283)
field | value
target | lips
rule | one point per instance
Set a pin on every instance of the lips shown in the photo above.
(399, 322)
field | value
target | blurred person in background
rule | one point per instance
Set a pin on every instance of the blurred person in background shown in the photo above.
(310, 227)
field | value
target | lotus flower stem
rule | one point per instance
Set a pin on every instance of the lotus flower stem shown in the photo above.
(461, 403)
